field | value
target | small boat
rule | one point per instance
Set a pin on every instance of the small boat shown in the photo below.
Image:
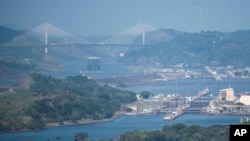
(167, 117)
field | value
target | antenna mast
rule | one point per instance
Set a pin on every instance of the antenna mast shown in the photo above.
(46, 34)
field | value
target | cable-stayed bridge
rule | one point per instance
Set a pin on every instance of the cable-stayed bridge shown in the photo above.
(48, 34)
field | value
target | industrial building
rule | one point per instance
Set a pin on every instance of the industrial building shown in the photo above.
(245, 98)
(226, 94)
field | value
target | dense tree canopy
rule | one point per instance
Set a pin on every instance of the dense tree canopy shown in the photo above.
(47, 99)
(180, 132)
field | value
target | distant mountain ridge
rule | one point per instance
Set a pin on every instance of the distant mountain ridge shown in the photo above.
(36, 36)
(168, 47)
(128, 36)
(14, 26)
(57, 36)
(7, 34)
(158, 36)
(210, 48)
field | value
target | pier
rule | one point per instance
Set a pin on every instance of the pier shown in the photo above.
(174, 112)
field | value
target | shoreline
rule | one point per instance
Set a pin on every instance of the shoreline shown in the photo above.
(136, 79)
(116, 116)
(91, 121)
(83, 121)
(78, 122)
(68, 123)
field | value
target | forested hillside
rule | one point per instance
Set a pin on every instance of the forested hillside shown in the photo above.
(195, 50)
(44, 99)
(7, 34)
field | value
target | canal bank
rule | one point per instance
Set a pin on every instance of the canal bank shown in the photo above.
(121, 125)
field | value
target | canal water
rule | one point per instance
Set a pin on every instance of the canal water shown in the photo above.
(128, 123)
(115, 128)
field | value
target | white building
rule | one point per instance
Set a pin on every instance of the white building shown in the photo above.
(226, 94)
(245, 99)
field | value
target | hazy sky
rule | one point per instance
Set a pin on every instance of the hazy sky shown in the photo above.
(93, 17)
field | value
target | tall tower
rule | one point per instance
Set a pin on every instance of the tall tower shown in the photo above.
(46, 38)
(46, 34)
(143, 33)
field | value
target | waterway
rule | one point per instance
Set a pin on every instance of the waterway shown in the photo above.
(128, 123)
(117, 127)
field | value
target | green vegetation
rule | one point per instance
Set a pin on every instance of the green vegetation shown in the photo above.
(44, 99)
(146, 94)
(12, 69)
(14, 66)
(32, 57)
(175, 132)
(195, 50)
(180, 132)
(81, 136)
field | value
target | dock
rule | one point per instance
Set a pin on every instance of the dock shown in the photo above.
(174, 113)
